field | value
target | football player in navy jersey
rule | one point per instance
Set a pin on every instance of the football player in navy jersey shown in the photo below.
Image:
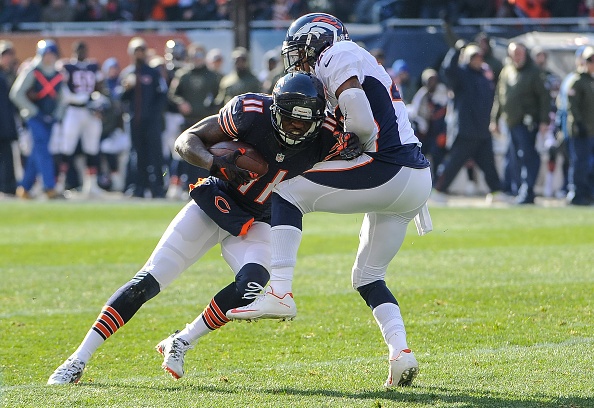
(290, 131)
(390, 182)
(80, 123)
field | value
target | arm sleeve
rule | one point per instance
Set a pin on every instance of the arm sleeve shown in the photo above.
(358, 117)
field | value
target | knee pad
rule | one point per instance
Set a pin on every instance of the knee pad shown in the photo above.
(233, 294)
(250, 272)
(130, 297)
(376, 293)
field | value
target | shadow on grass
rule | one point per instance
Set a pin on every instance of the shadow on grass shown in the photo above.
(416, 394)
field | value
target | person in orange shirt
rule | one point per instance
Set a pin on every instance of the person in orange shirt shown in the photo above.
(531, 8)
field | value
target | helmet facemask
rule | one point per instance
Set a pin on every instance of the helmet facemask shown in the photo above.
(294, 138)
(295, 55)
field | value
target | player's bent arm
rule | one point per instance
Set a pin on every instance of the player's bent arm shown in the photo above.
(193, 143)
(18, 94)
(355, 107)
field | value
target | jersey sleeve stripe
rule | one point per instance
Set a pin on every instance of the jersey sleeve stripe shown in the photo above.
(224, 119)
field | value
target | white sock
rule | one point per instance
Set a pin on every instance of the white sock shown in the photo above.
(193, 331)
(210, 319)
(389, 320)
(89, 345)
(285, 244)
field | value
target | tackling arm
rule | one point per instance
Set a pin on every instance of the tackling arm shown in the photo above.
(358, 117)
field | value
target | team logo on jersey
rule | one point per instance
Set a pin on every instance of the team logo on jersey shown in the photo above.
(280, 157)
(222, 205)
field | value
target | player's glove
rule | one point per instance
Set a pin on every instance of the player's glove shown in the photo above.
(348, 145)
(224, 167)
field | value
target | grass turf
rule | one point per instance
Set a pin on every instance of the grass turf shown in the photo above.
(497, 302)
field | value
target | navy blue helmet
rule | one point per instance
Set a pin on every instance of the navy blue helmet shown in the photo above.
(297, 96)
(308, 36)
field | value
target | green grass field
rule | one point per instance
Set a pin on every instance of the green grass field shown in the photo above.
(498, 305)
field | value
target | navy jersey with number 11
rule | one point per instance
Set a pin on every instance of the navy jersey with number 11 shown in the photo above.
(247, 118)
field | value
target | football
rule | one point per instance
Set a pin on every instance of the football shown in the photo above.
(251, 160)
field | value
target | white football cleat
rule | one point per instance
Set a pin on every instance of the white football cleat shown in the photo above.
(173, 350)
(403, 370)
(267, 305)
(69, 372)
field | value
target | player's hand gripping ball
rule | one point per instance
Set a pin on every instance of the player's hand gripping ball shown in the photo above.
(237, 162)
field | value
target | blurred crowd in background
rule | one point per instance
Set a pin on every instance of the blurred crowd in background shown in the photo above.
(508, 127)
(15, 12)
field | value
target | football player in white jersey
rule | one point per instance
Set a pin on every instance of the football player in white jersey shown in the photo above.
(81, 123)
(390, 182)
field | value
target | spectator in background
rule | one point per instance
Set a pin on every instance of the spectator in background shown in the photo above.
(427, 113)
(114, 11)
(273, 76)
(223, 9)
(175, 59)
(284, 10)
(215, 61)
(115, 141)
(57, 11)
(484, 42)
(166, 10)
(89, 10)
(531, 8)
(111, 84)
(144, 98)
(436, 8)
(401, 76)
(80, 124)
(240, 80)
(8, 125)
(523, 101)
(580, 122)
(505, 9)
(564, 8)
(477, 8)
(37, 94)
(21, 11)
(562, 102)
(270, 60)
(473, 84)
(546, 143)
(275, 72)
(192, 91)
(199, 10)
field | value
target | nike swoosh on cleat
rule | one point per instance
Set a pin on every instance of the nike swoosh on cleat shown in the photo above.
(241, 311)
